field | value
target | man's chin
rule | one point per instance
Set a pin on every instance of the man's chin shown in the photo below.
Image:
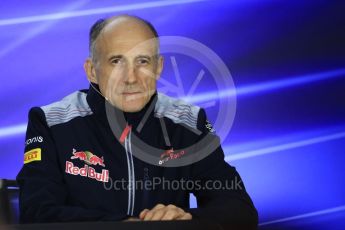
(132, 106)
(132, 109)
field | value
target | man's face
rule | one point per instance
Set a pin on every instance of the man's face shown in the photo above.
(126, 65)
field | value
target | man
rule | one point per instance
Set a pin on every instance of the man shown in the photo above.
(73, 159)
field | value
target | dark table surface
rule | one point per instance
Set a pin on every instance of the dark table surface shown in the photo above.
(151, 225)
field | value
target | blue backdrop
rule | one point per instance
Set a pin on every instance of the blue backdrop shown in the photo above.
(287, 61)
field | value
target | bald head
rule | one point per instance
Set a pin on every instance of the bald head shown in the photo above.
(122, 23)
(124, 61)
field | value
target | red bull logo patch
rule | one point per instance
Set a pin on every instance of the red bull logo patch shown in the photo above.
(87, 171)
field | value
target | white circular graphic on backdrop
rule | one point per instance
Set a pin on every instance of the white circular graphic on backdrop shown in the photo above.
(226, 94)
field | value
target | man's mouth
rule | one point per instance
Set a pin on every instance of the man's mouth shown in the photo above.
(130, 93)
(130, 96)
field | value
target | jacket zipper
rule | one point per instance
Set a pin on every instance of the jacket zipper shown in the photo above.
(126, 137)
(132, 171)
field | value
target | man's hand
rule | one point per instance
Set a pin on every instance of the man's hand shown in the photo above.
(162, 212)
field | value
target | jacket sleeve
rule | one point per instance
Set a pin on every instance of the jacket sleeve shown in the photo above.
(221, 195)
(43, 193)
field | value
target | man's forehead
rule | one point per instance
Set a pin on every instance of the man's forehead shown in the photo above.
(128, 46)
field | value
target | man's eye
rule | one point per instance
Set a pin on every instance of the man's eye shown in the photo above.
(143, 62)
(116, 61)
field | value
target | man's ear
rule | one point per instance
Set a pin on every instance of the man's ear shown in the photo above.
(90, 71)
(160, 64)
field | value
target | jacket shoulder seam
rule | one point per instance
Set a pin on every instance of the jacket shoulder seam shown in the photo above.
(179, 111)
(70, 107)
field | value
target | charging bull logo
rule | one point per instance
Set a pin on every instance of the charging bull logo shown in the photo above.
(87, 171)
(88, 157)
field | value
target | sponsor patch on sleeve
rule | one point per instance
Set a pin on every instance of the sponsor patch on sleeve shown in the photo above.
(32, 155)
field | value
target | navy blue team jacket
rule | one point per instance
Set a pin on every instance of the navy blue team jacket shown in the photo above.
(77, 169)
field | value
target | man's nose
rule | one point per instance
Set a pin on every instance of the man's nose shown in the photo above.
(130, 77)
